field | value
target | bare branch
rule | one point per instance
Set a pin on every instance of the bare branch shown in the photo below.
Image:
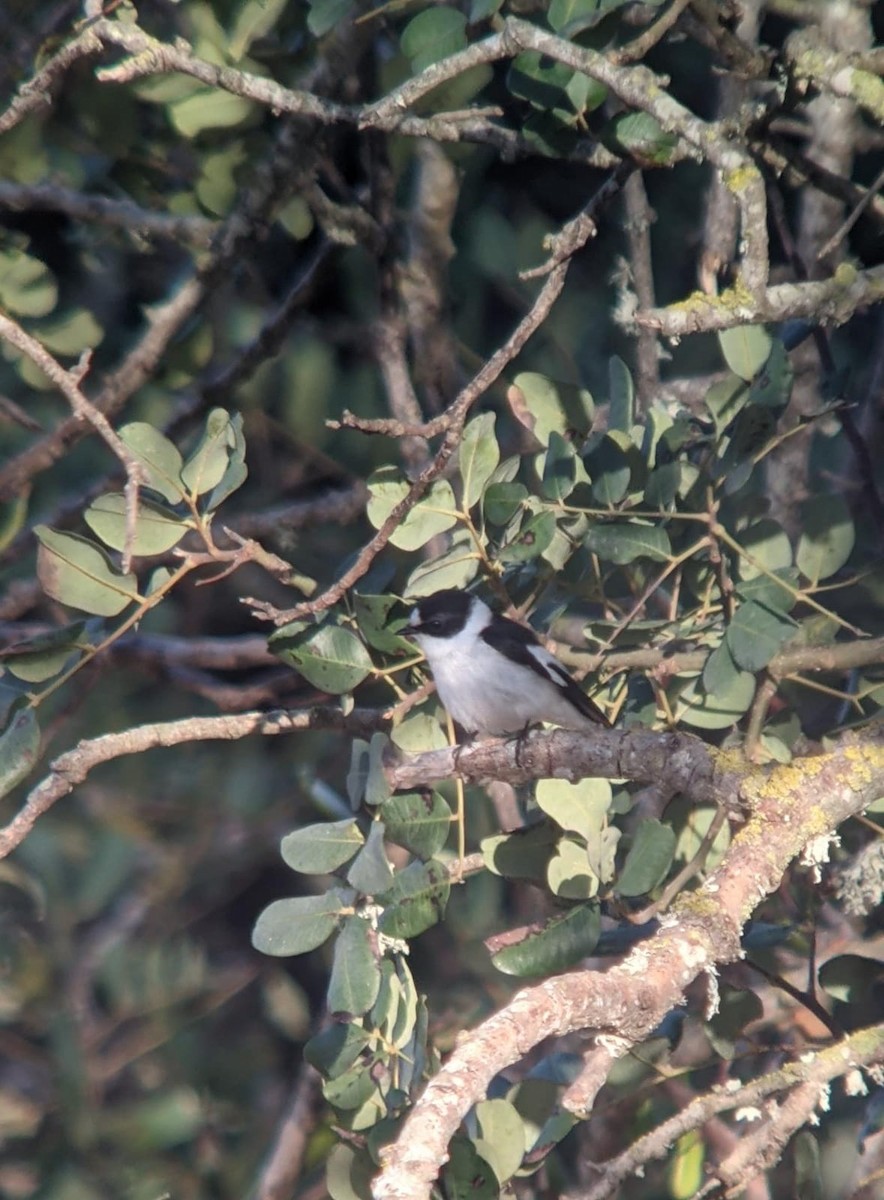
(71, 768)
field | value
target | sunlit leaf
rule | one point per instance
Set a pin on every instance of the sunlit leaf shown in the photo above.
(355, 976)
(331, 657)
(827, 537)
(301, 923)
(159, 457)
(156, 529)
(745, 349)
(416, 900)
(478, 456)
(419, 821)
(555, 945)
(435, 512)
(649, 859)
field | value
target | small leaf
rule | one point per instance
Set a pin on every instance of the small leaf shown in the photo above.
(331, 658)
(827, 537)
(560, 469)
(335, 1049)
(581, 807)
(355, 976)
(158, 456)
(371, 873)
(640, 136)
(478, 457)
(532, 539)
(208, 108)
(434, 513)
(454, 568)
(156, 529)
(503, 1132)
(772, 386)
(317, 849)
(301, 923)
(78, 573)
(418, 821)
(236, 472)
(502, 501)
(467, 1175)
(207, 465)
(27, 286)
(556, 945)
(609, 470)
(569, 873)
(649, 859)
(416, 900)
(324, 16)
(725, 399)
(432, 35)
(543, 405)
(745, 349)
(19, 749)
(624, 542)
(756, 633)
(523, 854)
(715, 710)
(42, 656)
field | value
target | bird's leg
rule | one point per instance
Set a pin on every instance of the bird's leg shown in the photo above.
(520, 741)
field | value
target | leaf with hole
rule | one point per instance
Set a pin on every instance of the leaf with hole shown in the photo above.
(416, 901)
(418, 821)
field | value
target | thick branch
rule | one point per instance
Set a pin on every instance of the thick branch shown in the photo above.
(792, 807)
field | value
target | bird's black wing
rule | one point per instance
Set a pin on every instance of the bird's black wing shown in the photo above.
(521, 645)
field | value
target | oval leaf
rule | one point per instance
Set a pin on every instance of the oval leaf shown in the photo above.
(355, 976)
(331, 657)
(479, 455)
(76, 572)
(159, 458)
(827, 537)
(556, 945)
(156, 529)
(649, 859)
(418, 821)
(299, 924)
(416, 900)
(19, 748)
(317, 849)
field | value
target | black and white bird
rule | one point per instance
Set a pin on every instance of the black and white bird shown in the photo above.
(493, 675)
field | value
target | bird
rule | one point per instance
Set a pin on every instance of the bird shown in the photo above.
(492, 675)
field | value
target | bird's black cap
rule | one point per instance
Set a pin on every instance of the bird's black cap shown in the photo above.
(443, 614)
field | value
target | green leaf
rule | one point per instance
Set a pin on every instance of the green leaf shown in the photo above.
(236, 472)
(416, 900)
(39, 658)
(373, 616)
(418, 733)
(209, 108)
(454, 568)
(254, 20)
(19, 749)
(649, 859)
(502, 501)
(624, 542)
(769, 545)
(467, 1175)
(478, 457)
(725, 399)
(720, 672)
(851, 978)
(351, 1090)
(718, 710)
(317, 849)
(827, 537)
(772, 386)
(745, 349)
(78, 573)
(377, 787)
(348, 1173)
(326, 15)
(532, 539)
(355, 975)
(335, 1049)
(207, 465)
(433, 35)
(569, 873)
(331, 657)
(71, 333)
(640, 136)
(808, 1167)
(523, 854)
(557, 944)
(609, 470)
(756, 633)
(560, 469)
(156, 529)
(433, 514)
(161, 461)
(543, 405)
(580, 807)
(301, 923)
(503, 1134)
(418, 821)
(27, 286)
(371, 873)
